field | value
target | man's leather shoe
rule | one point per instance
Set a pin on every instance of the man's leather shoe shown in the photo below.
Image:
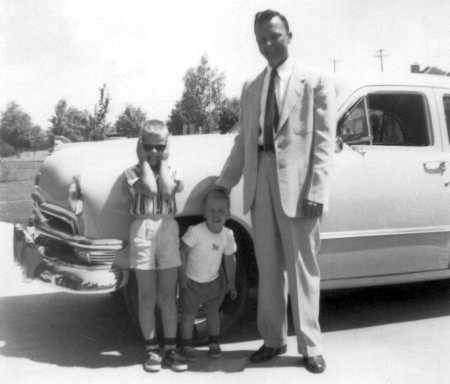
(314, 364)
(265, 353)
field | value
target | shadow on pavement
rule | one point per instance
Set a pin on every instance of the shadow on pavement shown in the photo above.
(237, 361)
(94, 331)
(365, 307)
(68, 330)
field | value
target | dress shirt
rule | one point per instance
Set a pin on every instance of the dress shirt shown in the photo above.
(284, 72)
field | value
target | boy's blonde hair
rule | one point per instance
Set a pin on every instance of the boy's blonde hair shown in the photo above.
(154, 129)
(217, 193)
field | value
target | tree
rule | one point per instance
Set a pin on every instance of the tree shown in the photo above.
(130, 121)
(15, 127)
(229, 114)
(79, 125)
(39, 139)
(6, 149)
(70, 122)
(201, 100)
(98, 126)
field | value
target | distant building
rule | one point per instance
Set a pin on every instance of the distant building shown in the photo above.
(430, 70)
(415, 68)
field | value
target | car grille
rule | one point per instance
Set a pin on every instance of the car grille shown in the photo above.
(101, 257)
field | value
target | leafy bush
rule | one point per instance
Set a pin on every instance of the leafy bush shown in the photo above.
(6, 150)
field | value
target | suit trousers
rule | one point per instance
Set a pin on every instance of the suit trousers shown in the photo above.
(286, 249)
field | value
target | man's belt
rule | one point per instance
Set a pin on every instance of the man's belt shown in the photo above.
(266, 148)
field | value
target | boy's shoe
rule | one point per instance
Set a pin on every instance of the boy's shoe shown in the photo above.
(189, 353)
(175, 360)
(214, 351)
(153, 361)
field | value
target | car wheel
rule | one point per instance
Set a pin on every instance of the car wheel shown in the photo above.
(231, 310)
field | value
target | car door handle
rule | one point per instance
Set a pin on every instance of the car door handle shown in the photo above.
(435, 166)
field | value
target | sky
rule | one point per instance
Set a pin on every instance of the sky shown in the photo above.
(67, 49)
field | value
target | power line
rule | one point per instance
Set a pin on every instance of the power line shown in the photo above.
(334, 61)
(380, 53)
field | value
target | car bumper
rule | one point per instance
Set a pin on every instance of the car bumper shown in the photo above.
(38, 264)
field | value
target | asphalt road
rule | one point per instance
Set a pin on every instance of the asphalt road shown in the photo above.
(380, 335)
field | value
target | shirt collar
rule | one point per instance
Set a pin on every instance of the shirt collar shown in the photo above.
(284, 70)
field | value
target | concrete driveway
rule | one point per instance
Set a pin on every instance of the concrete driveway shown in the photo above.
(380, 335)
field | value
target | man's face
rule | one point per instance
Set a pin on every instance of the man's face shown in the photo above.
(154, 147)
(216, 213)
(273, 40)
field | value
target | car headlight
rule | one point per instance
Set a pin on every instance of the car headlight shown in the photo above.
(75, 196)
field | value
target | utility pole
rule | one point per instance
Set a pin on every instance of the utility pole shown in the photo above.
(334, 61)
(380, 54)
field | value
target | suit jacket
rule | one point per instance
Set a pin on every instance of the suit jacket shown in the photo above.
(304, 142)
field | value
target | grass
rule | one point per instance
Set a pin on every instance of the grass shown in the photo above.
(16, 185)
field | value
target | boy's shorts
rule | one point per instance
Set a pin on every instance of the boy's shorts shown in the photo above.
(209, 294)
(154, 243)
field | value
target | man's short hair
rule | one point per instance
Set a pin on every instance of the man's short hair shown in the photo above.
(267, 15)
(154, 128)
(217, 193)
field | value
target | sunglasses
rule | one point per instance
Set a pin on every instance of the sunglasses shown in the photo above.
(151, 147)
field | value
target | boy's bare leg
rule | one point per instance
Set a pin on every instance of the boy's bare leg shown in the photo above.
(146, 281)
(213, 317)
(167, 284)
(212, 314)
(187, 326)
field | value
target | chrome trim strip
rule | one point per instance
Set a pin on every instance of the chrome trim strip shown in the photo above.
(371, 281)
(385, 232)
(82, 242)
(55, 210)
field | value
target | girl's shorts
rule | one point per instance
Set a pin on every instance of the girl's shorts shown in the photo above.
(154, 243)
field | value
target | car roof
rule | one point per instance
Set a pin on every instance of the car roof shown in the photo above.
(347, 84)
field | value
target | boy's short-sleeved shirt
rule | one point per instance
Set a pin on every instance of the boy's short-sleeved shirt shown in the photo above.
(143, 205)
(207, 249)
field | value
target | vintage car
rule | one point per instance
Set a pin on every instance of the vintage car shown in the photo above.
(389, 215)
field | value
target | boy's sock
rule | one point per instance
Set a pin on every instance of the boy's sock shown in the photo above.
(170, 343)
(151, 345)
(213, 339)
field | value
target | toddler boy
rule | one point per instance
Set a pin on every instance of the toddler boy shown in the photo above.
(203, 248)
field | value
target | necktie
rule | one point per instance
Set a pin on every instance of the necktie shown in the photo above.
(271, 116)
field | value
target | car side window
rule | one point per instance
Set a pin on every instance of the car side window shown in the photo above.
(387, 119)
(398, 119)
(353, 127)
(446, 101)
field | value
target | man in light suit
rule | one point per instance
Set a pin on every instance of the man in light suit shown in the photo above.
(283, 150)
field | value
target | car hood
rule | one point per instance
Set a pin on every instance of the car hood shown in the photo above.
(100, 166)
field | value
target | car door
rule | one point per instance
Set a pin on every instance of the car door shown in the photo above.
(443, 105)
(388, 206)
